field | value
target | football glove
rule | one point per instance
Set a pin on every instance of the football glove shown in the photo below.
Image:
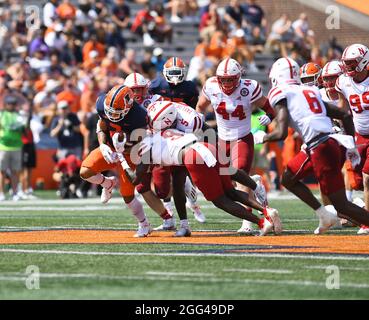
(264, 120)
(354, 156)
(259, 137)
(109, 155)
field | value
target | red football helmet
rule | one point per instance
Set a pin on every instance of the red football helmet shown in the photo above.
(118, 102)
(229, 75)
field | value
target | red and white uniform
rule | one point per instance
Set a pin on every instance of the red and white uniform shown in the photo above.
(233, 116)
(308, 115)
(151, 99)
(233, 112)
(199, 159)
(188, 120)
(325, 97)
(357, 95)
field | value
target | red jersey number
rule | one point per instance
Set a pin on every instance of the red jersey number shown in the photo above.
(237, 113)
(313, 101)
(357, 104)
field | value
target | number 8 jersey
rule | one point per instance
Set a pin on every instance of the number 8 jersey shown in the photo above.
(233, 112)
(307, 112)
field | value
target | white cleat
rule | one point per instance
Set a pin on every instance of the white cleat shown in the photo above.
(363, 230)
(273, 215)
(267, 227)
(190, 190)
(168, 225)
(260, 192)
(246, 228)
(144, 229)
(199, 216)
(183, 232)
(327, 220)
(106, 193)
(338, 224)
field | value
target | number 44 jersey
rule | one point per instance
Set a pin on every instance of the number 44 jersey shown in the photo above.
(233, 112)
(307, 112)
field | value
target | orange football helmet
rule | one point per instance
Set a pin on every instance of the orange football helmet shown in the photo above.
(118, 102)
(174, 70)
(310, 74)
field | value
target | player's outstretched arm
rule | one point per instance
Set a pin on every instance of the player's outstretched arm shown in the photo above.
(341, 114)
(202, 104)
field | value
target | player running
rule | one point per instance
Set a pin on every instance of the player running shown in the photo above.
(118, 112)
(353, 92)
(325, 153)
(233, 100)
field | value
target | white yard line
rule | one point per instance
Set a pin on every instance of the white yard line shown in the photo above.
(341, 268)
(188, 279)
(276, 271)
(187, 254)
(179, 274)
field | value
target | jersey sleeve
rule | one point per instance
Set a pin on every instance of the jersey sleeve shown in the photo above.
(275, 95)
(257, 92)
(206, 90)
(338, 85)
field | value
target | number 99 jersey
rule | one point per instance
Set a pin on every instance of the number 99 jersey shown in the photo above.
(233, 112)
(308, 115)
(357, 95)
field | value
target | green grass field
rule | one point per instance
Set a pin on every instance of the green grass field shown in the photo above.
(167, 271)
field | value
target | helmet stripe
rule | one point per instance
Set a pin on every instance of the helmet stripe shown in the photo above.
(115, 94)
(174, 62)
(290, 65)
(226, 66)
(135, 77)
(160, 112)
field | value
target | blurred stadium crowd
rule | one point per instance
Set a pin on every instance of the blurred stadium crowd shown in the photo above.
(54, 66)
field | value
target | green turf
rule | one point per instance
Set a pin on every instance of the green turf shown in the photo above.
(131, 276)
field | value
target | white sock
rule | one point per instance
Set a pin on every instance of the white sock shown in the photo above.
(169, 206)
(321, 211)
(184, 223)
(188, 188)
(349, 195)
(137, 209)
(99, 179)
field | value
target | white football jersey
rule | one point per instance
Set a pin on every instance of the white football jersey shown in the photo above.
(188, 120)
(151, 99)
(325, 97)
(307, 112)
(166, 146)
(233, 112)
(357, 95)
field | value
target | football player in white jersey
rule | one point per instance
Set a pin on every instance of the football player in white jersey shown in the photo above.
(325, 153)
(353, 92)
(174, 148)
(140, 88)
(167, 114)
(233, 100)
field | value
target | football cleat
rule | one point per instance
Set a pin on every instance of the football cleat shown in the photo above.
(363, 230)
(246, 228)
(106, 193)
(144, 229)
(168, 224)
(199, 216)
(190, 190)
(183, 232)
(273, 216)
(326, 221)
(267, 227)
(259, 192)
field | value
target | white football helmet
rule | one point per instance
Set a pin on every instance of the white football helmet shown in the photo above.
(285, 71)
(162, 115)
(229, 75)
(139, 85)
(331, 71)
(355, 59)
